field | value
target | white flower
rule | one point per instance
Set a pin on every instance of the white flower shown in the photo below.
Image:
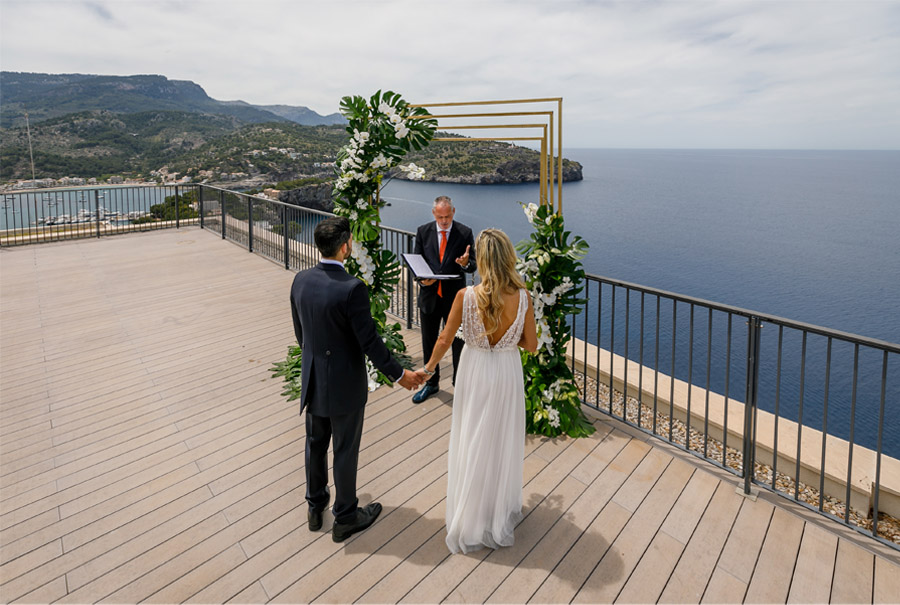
(341, 183)
(530, 211)
(543, 335)
(413, 172)
(380, 161)
(527, 267)
(549, 219)
(395, 119)
(353, 215)
(385, 109)
(554, 418)
(360, 203)
(549, 299)
(401, 130)
(360, 254)
(372, 375)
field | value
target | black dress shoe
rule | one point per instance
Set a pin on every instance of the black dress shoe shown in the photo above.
(364, 518)
(315, 519)
(424, 393)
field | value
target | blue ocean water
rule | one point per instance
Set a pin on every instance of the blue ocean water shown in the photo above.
(812, 236)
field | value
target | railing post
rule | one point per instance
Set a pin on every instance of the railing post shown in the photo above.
(250, 223)
(97, 209)
(200, 203)
(177, 204)
(284, 229)
(754, 327)
(222, 210)
(410, 283)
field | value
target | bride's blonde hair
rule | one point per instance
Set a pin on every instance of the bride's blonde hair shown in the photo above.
(496, 260)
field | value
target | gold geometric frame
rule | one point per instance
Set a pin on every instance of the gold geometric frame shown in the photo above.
(548, 173)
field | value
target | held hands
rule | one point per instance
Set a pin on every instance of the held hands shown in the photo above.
(410, 380)
(463, 261)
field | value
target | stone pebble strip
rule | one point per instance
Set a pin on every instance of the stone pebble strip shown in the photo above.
(888, 526)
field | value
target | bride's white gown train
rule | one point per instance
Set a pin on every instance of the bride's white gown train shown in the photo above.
(487, 438)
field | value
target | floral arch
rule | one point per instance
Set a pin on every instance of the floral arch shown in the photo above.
(382, 129)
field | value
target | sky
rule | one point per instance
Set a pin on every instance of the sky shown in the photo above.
(760, 74)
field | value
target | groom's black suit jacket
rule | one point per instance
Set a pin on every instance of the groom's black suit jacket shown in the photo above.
(334, 325)
(428, 246)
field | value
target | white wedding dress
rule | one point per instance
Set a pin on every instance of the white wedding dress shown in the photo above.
(487, 437)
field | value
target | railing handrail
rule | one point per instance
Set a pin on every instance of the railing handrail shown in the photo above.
(743, 312)
(748, 313)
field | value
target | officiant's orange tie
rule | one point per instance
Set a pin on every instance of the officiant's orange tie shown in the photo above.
(441, 256)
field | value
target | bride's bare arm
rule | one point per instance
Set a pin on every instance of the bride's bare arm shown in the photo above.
(529, 331)
(449, 332)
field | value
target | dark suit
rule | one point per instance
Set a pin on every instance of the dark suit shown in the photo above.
(434, 309)
(333, 324)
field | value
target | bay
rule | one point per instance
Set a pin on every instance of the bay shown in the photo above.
(811, 236)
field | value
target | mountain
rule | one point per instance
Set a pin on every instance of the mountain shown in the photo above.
(96, 143)
(220, 148)
(95, 126)
(46, 96)
(300, 115)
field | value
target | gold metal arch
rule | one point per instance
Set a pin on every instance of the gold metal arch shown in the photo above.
(538, 120)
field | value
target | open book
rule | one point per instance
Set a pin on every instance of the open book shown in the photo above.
(421, 270)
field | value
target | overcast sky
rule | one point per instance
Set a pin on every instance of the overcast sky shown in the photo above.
(735, 74)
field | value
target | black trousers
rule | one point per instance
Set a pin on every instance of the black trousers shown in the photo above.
(431, 329)
(346, 431)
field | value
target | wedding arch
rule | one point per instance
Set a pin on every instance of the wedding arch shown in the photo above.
(382, 130)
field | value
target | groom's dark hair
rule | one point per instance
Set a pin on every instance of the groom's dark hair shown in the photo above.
(331, 234)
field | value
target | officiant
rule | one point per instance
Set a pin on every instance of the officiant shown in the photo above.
(449, 249)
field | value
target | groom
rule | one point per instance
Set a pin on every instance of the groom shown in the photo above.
(334, 325)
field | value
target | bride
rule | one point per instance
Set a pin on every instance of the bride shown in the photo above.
(487, 437)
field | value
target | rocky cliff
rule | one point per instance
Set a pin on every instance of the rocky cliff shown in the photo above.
(511, 172)
(315, 197)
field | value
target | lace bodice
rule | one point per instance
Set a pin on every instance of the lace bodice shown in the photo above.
(473, 328)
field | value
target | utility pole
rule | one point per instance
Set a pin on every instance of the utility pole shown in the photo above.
(30, 152)
(33, 179)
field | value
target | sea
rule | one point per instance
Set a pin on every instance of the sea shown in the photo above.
(811, 236)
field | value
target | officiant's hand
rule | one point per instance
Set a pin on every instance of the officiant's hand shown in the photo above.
(410, 380)
(427, 282)
(463, 261)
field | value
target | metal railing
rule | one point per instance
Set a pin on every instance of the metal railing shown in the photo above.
(48, 215)
(284, 233)
(798, 409)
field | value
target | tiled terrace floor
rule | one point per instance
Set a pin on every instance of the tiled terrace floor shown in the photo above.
(148, 456)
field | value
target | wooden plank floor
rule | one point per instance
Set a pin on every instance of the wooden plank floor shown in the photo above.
(147, 455)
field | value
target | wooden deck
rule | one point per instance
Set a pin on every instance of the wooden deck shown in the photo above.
(147, 455)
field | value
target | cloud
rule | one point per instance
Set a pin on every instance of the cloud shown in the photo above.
(633, 74)
(100, 10)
